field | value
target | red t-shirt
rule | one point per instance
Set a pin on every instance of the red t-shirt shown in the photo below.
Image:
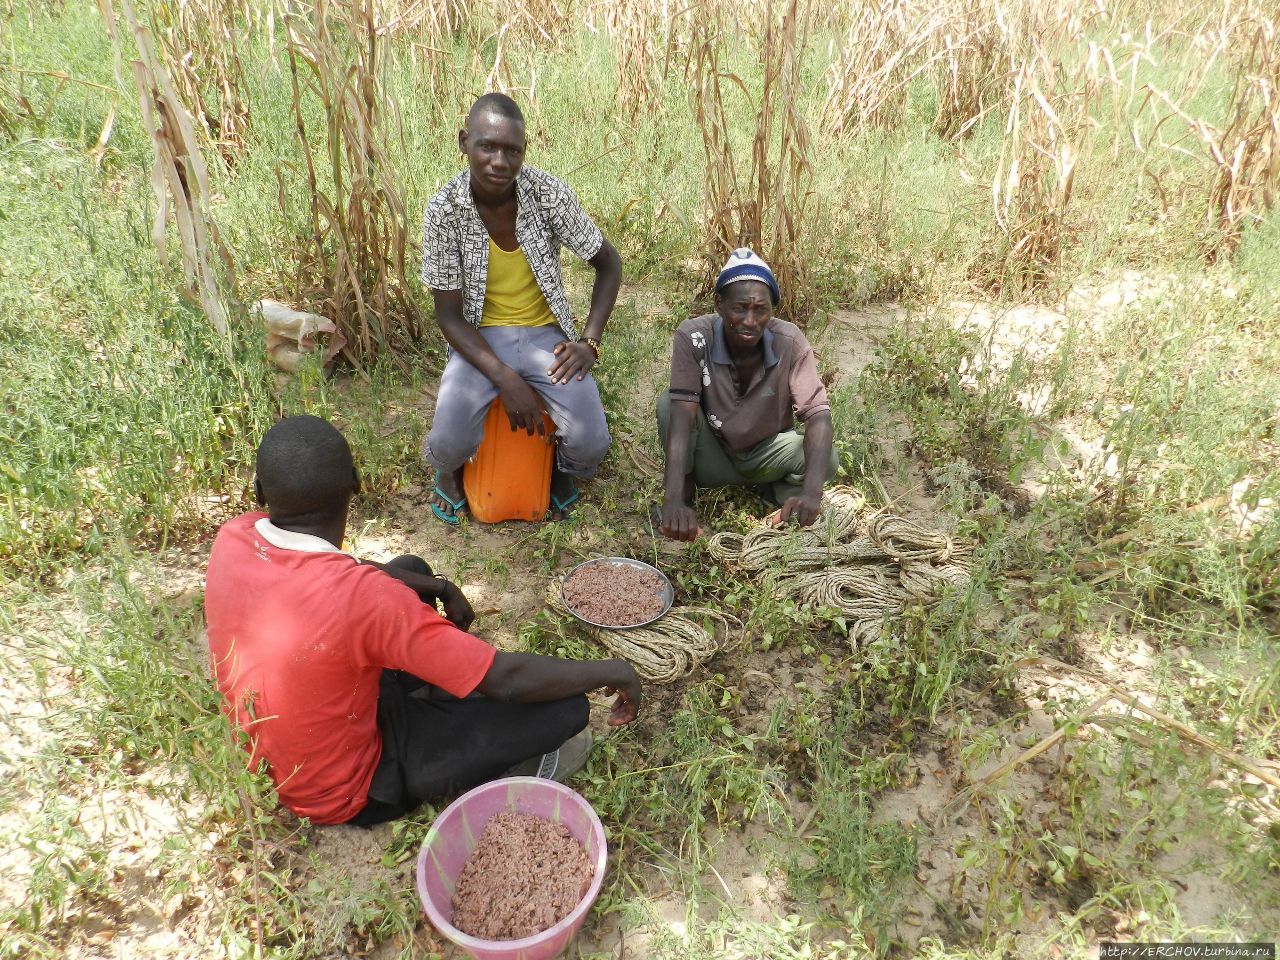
(299, 634)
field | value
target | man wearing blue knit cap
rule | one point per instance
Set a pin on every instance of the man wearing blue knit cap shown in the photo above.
(740, 380)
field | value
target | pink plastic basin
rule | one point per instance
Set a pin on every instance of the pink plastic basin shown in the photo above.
(454, 835)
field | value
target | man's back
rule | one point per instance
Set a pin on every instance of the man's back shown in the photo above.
(298, 635)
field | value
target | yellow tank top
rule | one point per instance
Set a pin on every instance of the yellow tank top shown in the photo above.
(512, 297)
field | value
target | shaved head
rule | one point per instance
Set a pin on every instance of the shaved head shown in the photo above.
(498, 104)
(305, 468)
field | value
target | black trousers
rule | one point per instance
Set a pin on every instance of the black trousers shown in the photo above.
(434, 744)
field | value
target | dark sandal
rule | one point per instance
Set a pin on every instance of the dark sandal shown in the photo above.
(560, 508)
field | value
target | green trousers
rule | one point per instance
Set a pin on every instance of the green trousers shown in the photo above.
(777, 460)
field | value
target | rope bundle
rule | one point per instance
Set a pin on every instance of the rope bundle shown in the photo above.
(864, 567)
(760, 550)
(830, 540)
(856, 592)
(904, 540)
(924, 579)
(671, 647)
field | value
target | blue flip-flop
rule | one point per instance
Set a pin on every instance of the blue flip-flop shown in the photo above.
(451, 516)
(562, 505)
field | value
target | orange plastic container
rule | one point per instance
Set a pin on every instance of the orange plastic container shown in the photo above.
(510, 476)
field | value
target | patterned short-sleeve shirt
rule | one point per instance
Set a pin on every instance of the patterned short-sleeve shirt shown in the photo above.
(455, 243)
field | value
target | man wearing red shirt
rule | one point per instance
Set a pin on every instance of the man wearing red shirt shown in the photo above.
(360, 697)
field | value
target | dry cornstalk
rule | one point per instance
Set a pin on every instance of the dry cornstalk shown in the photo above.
(437, 76)
(430, 21)
(352, 269)
(536, 22)
(770, 209)
(635, 27)
(1031, 192)
(201, 41)
(31, 8)
(431, 27)
(721, 194)
(973, 65)
(16, 106)
(1245, 152)
(882, 50)
(1183, 731)
(13, 106)
(500, 77)
(179, 176)
(23, 90)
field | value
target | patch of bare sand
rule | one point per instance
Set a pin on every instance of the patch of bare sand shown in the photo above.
(736, 875)
(848, 341)
(23, 735)
(1034, 335)
(959, 875)
(105, 831)
(1036, 332)
(492, 562)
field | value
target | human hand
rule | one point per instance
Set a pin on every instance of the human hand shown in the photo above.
(572, 359)
(524, 406)
(801, 510)
(679, 522)
(627, 706)
(457, 608)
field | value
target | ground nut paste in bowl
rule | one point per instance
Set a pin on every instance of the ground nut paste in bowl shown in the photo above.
(614, 594)
(525, 876)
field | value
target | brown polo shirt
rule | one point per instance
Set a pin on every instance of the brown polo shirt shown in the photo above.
(785, 389)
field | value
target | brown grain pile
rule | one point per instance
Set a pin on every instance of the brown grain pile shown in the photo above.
(614, 594)
(525, 875)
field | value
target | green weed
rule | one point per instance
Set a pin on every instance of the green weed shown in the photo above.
(1128, 514)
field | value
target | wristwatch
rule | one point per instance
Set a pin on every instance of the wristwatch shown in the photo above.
(593, 343)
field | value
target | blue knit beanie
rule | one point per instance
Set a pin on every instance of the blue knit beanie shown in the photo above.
(744, 264)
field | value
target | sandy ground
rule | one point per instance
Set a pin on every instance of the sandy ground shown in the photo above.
(740, 873)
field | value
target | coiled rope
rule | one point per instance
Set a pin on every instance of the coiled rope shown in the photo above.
(671, 647)
(864, 565)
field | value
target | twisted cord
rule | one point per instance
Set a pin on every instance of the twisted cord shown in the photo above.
(865, 567)
(670, 648)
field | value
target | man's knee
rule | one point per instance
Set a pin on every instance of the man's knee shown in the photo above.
(587, 452)
(799, 467)
(448, 444)
(583, 440)
(574, 713)
(458, 423)
(699, 431)
(783, 456)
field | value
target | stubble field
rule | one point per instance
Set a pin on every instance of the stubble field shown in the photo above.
(1033, 249)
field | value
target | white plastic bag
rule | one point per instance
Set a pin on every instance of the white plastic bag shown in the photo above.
(292, 334)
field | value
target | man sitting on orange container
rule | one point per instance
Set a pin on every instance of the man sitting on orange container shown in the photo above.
(360, 697)
(491, 257)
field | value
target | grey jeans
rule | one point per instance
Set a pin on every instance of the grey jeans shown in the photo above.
(582, 436)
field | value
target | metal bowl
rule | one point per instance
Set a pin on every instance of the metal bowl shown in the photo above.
(668, 591)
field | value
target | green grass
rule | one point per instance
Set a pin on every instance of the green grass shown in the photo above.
(1109, 525)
